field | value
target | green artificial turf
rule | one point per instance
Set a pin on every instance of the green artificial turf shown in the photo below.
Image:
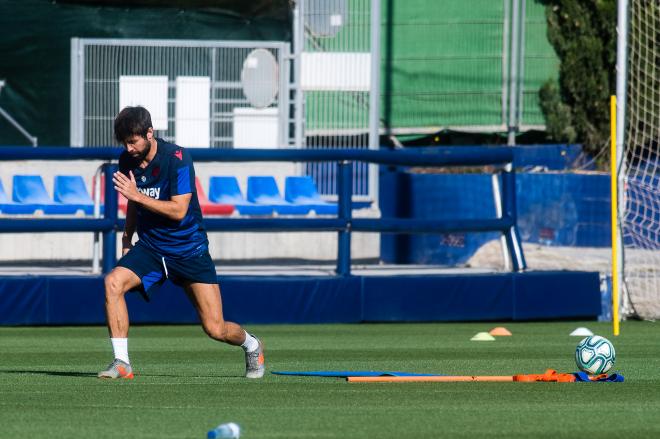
(186, 384)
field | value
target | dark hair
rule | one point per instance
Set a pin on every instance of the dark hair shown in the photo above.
(132, 121)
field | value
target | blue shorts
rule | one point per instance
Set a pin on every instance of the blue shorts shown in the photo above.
(153, 269)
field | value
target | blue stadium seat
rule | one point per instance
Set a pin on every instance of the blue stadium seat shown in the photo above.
(208, 207)
(30, 189)
(302, 191)
(263, 190)
(9, 207)
(71, 190)
(225, 190)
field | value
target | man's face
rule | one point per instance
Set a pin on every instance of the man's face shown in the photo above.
(137, 146)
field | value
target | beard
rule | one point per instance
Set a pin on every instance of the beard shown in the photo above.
(142, 155)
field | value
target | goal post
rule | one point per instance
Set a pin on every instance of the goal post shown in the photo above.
(614, 211)
(638, 158)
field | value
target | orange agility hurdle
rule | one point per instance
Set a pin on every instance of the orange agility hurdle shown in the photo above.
(428, 379)
(550, 375)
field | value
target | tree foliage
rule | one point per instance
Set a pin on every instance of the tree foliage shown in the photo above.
(583, 33)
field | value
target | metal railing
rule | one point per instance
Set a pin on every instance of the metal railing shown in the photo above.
(344, 224)
(32, 139)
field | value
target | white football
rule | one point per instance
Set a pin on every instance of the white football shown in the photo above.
(595, 355)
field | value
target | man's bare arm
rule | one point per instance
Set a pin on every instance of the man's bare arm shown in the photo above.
(174, 209)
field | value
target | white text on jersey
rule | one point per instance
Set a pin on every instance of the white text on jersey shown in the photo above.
(153, 192)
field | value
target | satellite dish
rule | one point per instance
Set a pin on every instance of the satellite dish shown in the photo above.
(260, 78)
(324, 18)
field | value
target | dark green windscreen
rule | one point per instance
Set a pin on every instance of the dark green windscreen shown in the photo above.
(35, 47)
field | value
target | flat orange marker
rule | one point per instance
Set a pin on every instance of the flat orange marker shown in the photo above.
(550, 376)
(431, 379)
(499, 331)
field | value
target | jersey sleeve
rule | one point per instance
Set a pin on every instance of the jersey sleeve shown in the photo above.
(182, 173)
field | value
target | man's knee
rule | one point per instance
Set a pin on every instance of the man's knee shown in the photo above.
(114, 285)
(217, 330)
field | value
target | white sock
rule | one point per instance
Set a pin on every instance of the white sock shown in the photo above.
(120, 348)
(250, 344)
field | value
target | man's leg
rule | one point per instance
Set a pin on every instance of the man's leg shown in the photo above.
(206, 299)
(117, 283)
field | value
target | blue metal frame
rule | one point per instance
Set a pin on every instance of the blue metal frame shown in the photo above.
(344, 213)
(110, 235)
(344, 224)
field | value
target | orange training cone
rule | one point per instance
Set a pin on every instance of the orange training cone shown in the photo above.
(500, 331)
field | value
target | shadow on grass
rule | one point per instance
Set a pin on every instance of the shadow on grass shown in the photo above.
(51, 373)
(92, 374)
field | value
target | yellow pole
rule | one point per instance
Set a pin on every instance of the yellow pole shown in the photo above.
(614, 194)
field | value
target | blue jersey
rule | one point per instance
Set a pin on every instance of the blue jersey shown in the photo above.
(170, 173)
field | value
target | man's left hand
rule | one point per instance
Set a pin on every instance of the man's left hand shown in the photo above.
(126, 186)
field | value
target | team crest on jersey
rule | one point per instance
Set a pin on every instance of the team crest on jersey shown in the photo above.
(143, 178)
(179, 154)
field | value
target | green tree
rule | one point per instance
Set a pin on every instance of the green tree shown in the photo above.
(583, 33)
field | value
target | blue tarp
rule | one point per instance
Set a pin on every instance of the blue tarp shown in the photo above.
(559, 209)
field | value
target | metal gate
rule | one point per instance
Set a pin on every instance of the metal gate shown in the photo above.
(201, 93)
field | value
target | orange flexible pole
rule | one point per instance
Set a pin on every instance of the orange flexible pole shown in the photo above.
(431, 379)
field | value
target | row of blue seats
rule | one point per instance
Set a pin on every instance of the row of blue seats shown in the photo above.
(263, 196)
(29, 195)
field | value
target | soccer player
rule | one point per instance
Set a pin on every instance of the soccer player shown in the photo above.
(158, 179)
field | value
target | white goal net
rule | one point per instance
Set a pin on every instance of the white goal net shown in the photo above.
(640, 210)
